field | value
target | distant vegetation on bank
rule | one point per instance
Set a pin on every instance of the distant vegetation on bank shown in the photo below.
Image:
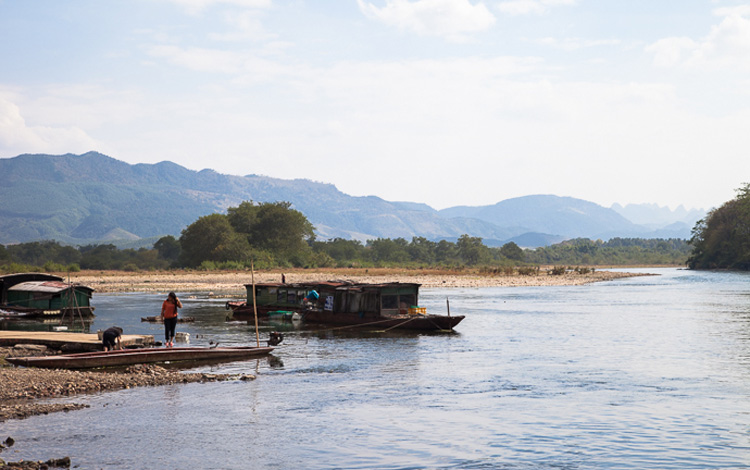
(722, 238)
(272, 235)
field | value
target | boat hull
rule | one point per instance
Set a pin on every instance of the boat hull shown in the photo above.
(128, 357)
(411, 322)
(7, 311)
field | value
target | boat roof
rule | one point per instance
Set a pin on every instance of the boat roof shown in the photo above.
(23, 277)
(46, 286)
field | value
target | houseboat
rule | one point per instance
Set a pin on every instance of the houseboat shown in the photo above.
(39, 295)
(383, 306)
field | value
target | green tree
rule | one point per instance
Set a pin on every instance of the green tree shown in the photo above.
(276, 228)
(39, 253)
(385, 250)
(722, 238)
(168, 248)
(342, 250)
(243, 217)
(212, 238)
(446, 252)
(512, 251)
(101, 257)
(471, 250)
(422, 250)
(281, 230)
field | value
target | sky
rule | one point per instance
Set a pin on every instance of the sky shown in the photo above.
(443, 102)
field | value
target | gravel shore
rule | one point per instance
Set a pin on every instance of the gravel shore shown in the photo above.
(233, 283)
(22, 388)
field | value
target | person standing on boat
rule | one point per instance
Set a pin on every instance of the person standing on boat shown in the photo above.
(109, 337)
(169, 314)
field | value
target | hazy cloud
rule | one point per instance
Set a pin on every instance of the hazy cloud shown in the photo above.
(448, 18)
(197, 6)
(17, 137)
(200, 59)
(531, 7)
(726, 45)
(247, 26)
(572, 44)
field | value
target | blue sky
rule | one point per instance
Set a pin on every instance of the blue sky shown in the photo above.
(446, 102)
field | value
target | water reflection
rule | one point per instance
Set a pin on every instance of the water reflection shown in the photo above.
(645, 372)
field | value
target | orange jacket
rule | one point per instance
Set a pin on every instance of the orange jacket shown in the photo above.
(168, 309)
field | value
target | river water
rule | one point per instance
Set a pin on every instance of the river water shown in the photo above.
(647, 372)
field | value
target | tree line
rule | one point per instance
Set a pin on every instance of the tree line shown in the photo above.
(271, 235)
(721, 240)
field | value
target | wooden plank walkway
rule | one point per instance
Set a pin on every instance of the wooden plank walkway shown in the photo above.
(68, 341)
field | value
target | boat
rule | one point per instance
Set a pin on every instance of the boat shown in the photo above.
(127, 357)
(392, 305)
(40, 295)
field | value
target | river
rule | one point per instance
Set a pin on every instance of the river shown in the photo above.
(645, 372)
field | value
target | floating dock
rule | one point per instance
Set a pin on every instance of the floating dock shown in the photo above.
(68, 341)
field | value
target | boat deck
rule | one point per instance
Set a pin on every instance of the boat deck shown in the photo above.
(67, 341)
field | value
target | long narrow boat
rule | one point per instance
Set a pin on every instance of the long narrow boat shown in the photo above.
(128, 357)
(386, 306)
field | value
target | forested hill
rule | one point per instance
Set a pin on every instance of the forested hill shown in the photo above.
(81, 199)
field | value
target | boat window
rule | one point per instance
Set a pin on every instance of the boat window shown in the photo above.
(408, 300)
(281, 296)
(355, 301)
(389, 302)
(291, 298)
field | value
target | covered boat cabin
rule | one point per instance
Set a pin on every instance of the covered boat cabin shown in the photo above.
(44, 295)
(386, 299)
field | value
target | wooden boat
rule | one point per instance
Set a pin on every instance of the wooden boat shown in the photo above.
(384, 306)
(40, 295)
(128, 357)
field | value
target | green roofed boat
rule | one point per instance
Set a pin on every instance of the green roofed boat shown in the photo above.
(39, 295)
(385, 306)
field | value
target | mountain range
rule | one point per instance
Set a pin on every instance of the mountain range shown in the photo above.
(93, 198)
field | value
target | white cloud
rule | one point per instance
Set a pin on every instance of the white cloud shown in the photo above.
(448, 18)
(726, 46)
(195, 7)
(17, 136)
(248, 26)
(199, 59)
(671, 51)
(531, 7)
(572, 44)
(740, 10)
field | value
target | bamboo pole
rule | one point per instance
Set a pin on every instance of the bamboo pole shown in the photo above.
(255, 306)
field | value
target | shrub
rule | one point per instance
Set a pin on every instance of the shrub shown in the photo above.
(51, 267)
(558, 270)
(130, 267)
(528, 270)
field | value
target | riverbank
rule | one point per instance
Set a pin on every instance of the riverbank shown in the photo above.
(233, 282)
(24, 389)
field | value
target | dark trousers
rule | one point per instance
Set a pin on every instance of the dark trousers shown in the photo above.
(170, 324)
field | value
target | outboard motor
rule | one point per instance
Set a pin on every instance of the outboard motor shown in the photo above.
(275, 338)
